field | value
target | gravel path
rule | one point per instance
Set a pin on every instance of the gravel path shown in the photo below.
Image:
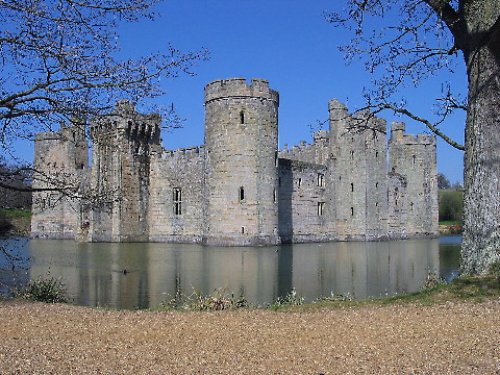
(454, 338)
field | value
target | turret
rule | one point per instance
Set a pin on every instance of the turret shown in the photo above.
(122, 147)
(241, 142)
(357, 173)
(413, 205)
(60, 166)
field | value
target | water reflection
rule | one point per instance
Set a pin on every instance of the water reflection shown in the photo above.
(143, 275)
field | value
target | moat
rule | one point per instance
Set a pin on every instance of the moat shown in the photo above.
(94, 272)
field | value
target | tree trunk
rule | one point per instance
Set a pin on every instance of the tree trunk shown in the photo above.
(481, 240)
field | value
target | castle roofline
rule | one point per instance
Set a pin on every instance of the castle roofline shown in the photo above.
(239, 88)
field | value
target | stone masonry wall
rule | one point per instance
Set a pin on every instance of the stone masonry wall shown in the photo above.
(241, 139)
(302, 202)
(414, 158)
(358, 173)
(172, 219)
(315, 153)
(237, 189)
(60, 167)
(120, 174)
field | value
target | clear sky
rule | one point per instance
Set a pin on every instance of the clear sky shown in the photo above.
(287, 42)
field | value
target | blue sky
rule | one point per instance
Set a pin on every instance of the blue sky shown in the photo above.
(287, 42)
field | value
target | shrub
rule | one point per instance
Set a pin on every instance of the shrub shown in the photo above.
(44, 289)
(291, 299)
(494, 269)
(219, 300)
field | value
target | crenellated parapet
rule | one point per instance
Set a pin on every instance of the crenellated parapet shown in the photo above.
(188, 153)
(315, 152)
(399, 136)
(125, 120)
(238, 88)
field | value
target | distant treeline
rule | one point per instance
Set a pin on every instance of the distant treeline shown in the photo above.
(451, 205)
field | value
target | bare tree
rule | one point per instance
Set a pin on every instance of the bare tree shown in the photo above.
(420, 39)
(59, 64)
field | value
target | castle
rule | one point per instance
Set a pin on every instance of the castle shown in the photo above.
(237, 189)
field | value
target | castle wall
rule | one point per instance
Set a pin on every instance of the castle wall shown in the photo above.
(302, 202)
(414, 157)
(315, 153)
(237, 189)
(241, 139)
(358, 170)
(174, 218)
(120, 174)
(60, 167)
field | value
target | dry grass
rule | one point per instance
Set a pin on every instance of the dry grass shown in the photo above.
(449, 338)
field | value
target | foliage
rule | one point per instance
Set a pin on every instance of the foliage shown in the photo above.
(334, 298)
(443, 182)
(15, 182)
(44, 289)
(220, 299)
(432, 280)
(14, 213)
(451, 205)
(494, 269)
(290, 299)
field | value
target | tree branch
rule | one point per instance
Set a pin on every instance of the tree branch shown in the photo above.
(433, 128)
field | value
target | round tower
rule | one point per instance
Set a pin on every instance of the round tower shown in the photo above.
(241, 140)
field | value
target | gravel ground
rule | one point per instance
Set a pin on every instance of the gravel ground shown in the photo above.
(453, 338)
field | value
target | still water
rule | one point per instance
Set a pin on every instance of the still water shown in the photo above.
(93, 273)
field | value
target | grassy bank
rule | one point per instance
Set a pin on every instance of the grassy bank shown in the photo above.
(464, 289)
(14, 222)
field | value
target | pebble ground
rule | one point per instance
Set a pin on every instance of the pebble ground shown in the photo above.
(451, 338)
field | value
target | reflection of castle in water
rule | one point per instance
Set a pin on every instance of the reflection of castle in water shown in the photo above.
(93, 273)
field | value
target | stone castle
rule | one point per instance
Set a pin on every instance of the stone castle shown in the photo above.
(237, 189)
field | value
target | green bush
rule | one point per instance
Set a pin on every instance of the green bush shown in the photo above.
(451, 205)
(44, 289)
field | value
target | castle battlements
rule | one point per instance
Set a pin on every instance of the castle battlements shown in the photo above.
(188, 152)
(238, 87)
(399, 136)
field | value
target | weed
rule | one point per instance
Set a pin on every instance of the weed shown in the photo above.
(432, 281)
(47, 289)
(334, 298)
(291, 299)
(220, 299)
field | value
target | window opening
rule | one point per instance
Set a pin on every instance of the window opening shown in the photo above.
(352, 187)
(321, 180)
(242, 117)
(242, 230)
(299, 182)
(321, 208)
(177, 201)
(242, 193)
(352, 211)
(414, 159)
(274, 195)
